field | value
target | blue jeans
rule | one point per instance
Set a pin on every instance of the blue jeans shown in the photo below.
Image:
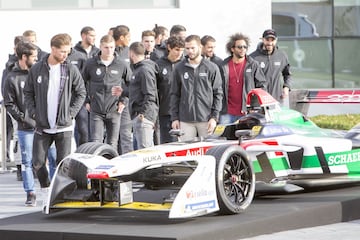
(26, 144)
(52, 160)
(228, 118)
(125, 144)
(144, 132)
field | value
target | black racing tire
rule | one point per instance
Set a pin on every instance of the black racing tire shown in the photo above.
(99, 149)
(235, 178)
(78, 171)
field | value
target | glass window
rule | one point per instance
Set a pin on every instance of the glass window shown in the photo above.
(347, 61)
(347, 17)
(310, 62)
(302, 18)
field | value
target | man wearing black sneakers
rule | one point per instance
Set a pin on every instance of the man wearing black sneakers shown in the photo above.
(15, 105)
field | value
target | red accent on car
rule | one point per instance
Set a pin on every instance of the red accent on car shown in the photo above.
(98, 175)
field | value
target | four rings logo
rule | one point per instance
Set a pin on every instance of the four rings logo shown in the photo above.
(355, 98)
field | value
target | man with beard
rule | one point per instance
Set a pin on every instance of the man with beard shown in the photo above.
(274, 63)
(54, 93)
(15, 105)
(196, 93)
(240, 74)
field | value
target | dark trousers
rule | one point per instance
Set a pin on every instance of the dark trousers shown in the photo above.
(41, 145)
(82, 127)
(110, 122)
(9, 135)
(165, 127)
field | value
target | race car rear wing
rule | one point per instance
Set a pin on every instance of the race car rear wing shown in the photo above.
(300, 99)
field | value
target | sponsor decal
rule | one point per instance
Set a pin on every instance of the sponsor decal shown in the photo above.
(104, 167)
(344, 98)
(153, 158)
(200, 193)
(195, 152)
(344, 158)
(200, 205)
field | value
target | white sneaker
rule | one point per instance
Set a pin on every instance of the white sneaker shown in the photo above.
(43, 197)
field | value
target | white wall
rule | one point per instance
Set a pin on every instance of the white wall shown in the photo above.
(217, 18)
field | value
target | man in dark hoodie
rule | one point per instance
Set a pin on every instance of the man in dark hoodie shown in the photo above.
(143, 96)
(275, 64)
(15, 105)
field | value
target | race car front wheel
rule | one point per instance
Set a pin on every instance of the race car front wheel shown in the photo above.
(78, 171)
(235, 178)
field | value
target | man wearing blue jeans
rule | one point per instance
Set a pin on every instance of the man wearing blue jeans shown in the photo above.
(15, 105)
(143, 96)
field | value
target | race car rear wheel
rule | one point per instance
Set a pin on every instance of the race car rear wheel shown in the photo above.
(235, 178)
(78, 171)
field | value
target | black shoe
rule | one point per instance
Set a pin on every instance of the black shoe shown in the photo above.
(18, 175)
(30, 200)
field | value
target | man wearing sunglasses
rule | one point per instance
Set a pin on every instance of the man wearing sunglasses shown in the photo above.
(240, 74)
(275, 64)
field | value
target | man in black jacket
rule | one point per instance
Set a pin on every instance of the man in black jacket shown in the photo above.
(54, 93)
(196, 93)
(175, 46)
(143, 97)
(15, 105)
(275, 65)
(101, 74)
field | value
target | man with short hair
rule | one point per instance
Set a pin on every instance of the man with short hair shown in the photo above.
(196, 93)
(54, 94)
(175, 46)
(101, 74)
(208, 49)
(15, 105)
(122, 36)
(143, 97)
(87, 49)
(148, 39)
(275, 64)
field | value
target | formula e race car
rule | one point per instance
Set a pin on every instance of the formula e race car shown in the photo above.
(271, 150)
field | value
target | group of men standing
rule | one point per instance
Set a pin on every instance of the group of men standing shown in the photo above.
(131, 95)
